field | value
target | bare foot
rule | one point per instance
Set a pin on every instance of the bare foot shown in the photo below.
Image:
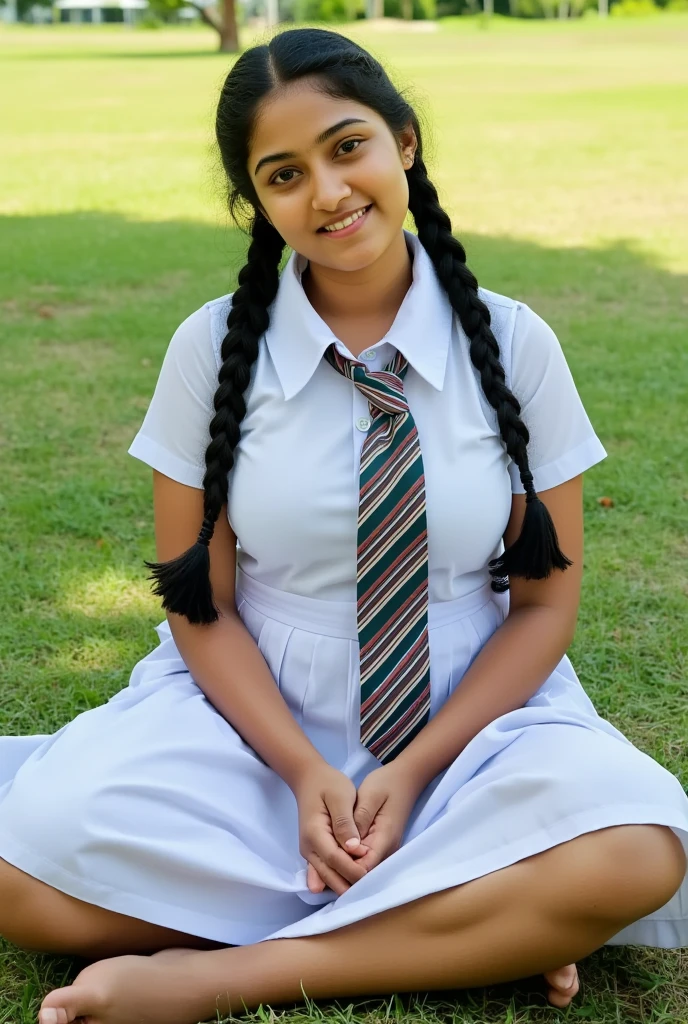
(163, 989)
(148, 989)
(564, 985)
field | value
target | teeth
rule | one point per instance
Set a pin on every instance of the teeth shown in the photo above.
(345, 223)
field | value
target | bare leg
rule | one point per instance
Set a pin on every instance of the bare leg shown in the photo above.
(531, 917)
(37, 917)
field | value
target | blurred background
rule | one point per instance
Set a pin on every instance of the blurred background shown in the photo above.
(557, 141)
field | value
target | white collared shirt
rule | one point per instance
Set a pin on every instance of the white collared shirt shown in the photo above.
(293, 490)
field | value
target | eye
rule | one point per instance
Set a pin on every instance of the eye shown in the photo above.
(287, 170)
(349, 141)
(290, 170)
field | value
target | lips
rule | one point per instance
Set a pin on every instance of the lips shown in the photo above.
(363, 209)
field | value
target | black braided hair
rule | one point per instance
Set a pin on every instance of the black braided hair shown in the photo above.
(344, 70)
(184, 582)
(535, 552)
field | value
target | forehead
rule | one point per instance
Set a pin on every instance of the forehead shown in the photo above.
(291, 116)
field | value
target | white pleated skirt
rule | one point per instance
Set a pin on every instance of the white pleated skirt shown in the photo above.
(153, 806)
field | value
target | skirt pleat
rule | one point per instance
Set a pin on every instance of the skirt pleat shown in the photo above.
(152, 805)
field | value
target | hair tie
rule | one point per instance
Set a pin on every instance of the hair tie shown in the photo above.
(206, 532)
(527, 481)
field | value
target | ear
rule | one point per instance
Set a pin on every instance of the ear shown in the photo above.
(408, 144)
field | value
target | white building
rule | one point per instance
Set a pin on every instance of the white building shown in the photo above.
(100, 10)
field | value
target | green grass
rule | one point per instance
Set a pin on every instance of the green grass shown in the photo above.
(560, 154)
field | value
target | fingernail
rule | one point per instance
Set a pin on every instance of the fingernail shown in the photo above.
(48, 1016)
(352, 842)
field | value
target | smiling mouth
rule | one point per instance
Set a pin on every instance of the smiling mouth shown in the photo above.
(361, 213)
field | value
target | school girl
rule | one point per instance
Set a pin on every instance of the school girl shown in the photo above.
(359, 733)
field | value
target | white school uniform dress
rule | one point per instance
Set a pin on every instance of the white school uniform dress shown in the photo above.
(152, 805)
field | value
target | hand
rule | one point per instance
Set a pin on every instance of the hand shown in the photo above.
(325, 799)
(384, 802)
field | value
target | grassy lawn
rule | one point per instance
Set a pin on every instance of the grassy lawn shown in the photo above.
(559, 152)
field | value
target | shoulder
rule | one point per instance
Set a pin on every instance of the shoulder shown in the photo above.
(525, 339)
(524, 326)
(515, 312)
(198, 338)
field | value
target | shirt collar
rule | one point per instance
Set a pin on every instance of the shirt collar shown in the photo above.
(297, 336)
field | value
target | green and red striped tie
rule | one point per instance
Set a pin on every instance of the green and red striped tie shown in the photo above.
(392, 563)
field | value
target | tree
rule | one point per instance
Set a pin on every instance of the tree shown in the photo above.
(225, 24)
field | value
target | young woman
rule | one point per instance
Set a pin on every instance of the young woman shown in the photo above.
(360, 733)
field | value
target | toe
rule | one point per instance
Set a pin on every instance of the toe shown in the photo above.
(564, 985)
(563, 978)
(61, 1006)
(82, 999)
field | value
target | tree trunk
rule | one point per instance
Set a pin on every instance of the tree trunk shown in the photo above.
(229, 36)
(375, 9)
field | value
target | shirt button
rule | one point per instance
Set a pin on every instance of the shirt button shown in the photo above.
(370, 354)
(363, 423)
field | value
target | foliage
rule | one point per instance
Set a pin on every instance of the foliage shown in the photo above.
(633, 8)
(23, 6)
(322, 10)
(422, 9)
(160, 10)
(550, 8)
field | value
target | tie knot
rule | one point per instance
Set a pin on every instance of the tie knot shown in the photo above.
(384, 389)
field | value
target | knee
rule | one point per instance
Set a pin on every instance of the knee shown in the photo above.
(632, 870)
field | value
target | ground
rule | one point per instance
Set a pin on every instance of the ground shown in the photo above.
(559, 152)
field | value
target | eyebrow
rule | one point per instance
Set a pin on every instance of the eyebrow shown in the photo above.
(323, 137)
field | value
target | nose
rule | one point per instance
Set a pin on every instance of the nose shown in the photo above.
(329, 189)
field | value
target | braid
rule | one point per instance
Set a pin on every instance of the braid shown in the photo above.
(184, 582)
(536, 551)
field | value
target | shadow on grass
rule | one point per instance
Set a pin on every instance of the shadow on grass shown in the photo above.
(89, 302)
(77, 54)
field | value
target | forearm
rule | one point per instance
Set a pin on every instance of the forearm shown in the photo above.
(511, 666)
(227, 665)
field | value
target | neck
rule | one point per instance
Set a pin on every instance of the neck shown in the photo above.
(374, 291)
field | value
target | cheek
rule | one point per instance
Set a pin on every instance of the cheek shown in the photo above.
(388, 180)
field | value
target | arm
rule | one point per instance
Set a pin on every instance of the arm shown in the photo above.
(520, 654)
(223, 658)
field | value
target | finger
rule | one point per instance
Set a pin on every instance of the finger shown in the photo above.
(339, 860)
(383, 841)
(364, 815)
(343, 825)
(323, 843)
(355, 848)
(313, 880)
(367, 808)
(371, 859)
(330, 877)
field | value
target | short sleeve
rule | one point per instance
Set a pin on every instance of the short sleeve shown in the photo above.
(562, 442)
(174, 434)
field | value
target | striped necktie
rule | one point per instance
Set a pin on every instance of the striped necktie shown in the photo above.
(392, 563)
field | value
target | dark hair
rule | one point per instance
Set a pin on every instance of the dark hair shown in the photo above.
(343, 70)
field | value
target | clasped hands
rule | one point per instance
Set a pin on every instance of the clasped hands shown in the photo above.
(344, 832)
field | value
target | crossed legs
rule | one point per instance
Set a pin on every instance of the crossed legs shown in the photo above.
(532, 917)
